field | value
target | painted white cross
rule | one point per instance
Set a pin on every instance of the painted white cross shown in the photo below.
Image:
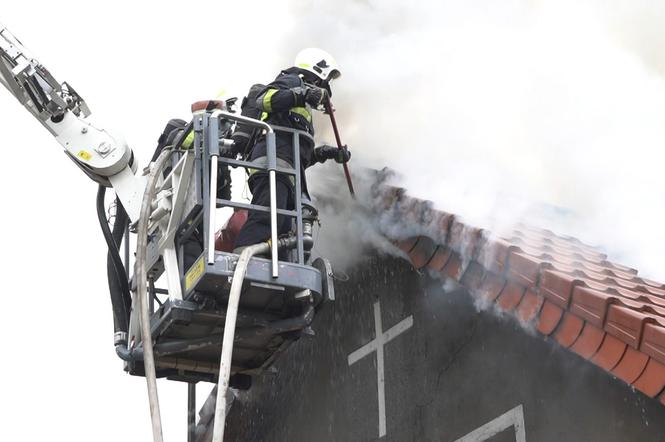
(377, 345)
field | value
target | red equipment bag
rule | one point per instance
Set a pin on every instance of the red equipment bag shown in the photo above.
(225, 238)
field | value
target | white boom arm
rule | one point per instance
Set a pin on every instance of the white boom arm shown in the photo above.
(104, 157)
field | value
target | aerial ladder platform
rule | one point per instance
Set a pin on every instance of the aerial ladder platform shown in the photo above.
(183, 310)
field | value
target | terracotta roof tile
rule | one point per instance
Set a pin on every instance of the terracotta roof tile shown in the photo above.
(453, 268)
(493, 253)
(610, 353)
(422, 252)
(491, 286)
(653, 341)
(650, 283)
(524, 268)
(585, 273)
(569, 330)
(631, 285)
(581, 264)
(589, 341)
(463, 239)
(387, 197)
(631, 365)
(549, 318)
(530, 306)
(652, 380)
(557, 286)
(625, 324)
(473, 276)
(406, 245)
(591, 305)
(423, 212)
(410, 209)
(623, 268)
(443, 222)
(510, 296)
(647, 307)
(656, 300)
(629, 294)
(440, 258)
(620, 274)
(542, 238)
(547, 246)
(653, 291)
(603, 311)
(603, 285)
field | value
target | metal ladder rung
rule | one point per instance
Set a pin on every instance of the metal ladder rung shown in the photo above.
(228, 203)
(250, 165)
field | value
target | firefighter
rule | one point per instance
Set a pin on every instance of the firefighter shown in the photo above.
(288, 101)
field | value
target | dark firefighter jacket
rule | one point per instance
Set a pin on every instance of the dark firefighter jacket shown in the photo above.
(278, 102)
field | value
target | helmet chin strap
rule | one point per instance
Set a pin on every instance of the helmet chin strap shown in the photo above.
(326, 85)
(310, 78)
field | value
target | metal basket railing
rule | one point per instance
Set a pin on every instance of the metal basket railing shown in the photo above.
(207, 127)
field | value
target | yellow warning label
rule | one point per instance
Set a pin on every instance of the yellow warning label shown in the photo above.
(194, 274)
(84, 155)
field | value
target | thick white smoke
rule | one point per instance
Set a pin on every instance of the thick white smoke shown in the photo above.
(496, 110)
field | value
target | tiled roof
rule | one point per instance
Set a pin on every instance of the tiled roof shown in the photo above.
(565, 289)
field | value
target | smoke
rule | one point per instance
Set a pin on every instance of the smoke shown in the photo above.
(349, 228)
(549, 112)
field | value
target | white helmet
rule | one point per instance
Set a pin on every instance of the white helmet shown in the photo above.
(318, 62)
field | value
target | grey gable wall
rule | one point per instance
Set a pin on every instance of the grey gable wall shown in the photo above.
(453, 371)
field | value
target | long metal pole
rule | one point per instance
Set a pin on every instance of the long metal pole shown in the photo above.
(330, 110)
(298, 178)
(191, 412)
(212, 144)
(212, 208)
(273, 223)
(271, 149)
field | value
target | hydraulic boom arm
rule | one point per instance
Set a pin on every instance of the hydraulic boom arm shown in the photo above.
(104, 157)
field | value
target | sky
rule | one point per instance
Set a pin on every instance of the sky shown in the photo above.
(487, 108)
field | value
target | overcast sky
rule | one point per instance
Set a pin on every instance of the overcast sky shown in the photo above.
(561, 102)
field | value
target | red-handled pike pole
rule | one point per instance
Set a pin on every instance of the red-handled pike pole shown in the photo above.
(329, 109)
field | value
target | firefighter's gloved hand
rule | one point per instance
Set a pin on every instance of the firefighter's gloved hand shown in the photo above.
(228, 153)
(343, 155)
(326, 152)
(315, 96)
(231, 151)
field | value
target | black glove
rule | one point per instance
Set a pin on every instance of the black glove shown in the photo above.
(325, 152)
(231, 151)
(315, 96)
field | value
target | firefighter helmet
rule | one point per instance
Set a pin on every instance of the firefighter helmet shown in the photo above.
(319, 63)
